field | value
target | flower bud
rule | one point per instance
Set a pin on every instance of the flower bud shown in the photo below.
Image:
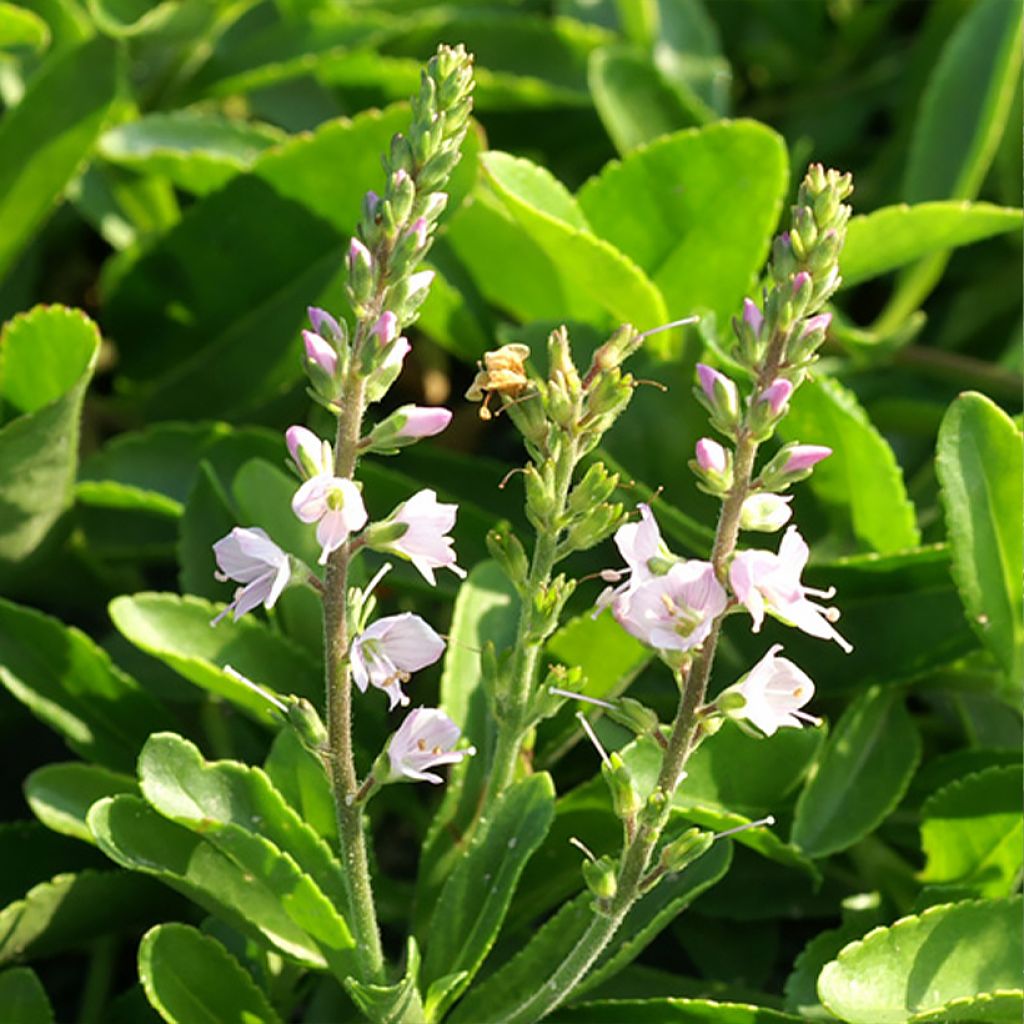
(308, 726)
(596, 524)
(794, 462)
(626, 799)
(641, 720)
(540, 498)
(320, 354)
(611, 355)
(601, 876)
(360, 273)
(406, 426)
(711, 456)
(311, 456)
(506, 549)
(712, 466)
(327, 327)
(807, 340)
(768, 408)
(718, 394)
(684, 850)
(402, 193)
(765, 512)
(597, 486)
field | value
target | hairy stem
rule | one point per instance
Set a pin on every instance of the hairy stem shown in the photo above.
(341, 762)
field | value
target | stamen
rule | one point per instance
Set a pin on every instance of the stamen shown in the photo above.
(592, 736)
(832, 614)
(265, 694)
(769, 820)
(580, 846)
(580, 696)
(806, 717)
(667, 327)
(826, 594)
(378, 576)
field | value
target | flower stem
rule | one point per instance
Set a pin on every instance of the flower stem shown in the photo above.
(531, 636)
(341, 762)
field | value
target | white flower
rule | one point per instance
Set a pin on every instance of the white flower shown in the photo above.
(335, 505)
(425, 740)
(638, 543)
(249, 556)
(773, 692)
(766, 582)
(424, 541)
(674, 612)
(389, 650)
(765, 512)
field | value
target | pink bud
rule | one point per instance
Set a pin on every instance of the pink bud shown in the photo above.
(323, 323)
(710, 456)
(386, 327)
(320, 352)
(370, 203)
(400, 177)
(804, 456)
(306, 450)
(421, 421)
(358, 253)
(814, 324)
(777, 395)
(801, 281)
(707, 377)
(752, 316)
(419, 229)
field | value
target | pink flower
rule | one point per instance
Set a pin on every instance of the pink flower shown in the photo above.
(424, 542)
(389, 650)
(320, 352)
(249, 556)
(803, 456)
(335, 505)
(711, 456)
(422, 421)
(674, 612)
(773, 692)
(638, 543)
(766, 582)
(776, 395)
(425, 740)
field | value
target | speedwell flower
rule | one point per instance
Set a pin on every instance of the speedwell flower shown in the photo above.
(247, 555)
(424, 541)
(772, 692)
(425, 740)
(389, 650)
(638, 543)
(335, 505)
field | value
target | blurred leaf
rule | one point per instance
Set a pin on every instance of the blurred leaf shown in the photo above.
(688, 52)
(126, 18)
(636, 105)
(192, 979)
(177, 631)
(31, 853)
(665, 208)
(472, 905)
(881, 515)
(19, 27)
(47, 137)
(72, 910)
(971, 832)
(72, 686)
(863, 773)
(546, 212)
(978, 464)
(965, 105)
(897, 235)
(670, 1011)
(965, 952)
(60, 795)
(199, 151)
(21, 993)
(244, 887)
(47, 358)
(300, 777)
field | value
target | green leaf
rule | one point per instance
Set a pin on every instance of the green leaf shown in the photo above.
(670, 1011)
(391, 1004)
(49, 135)
(177, 631)
(972, 833)
(208, 516)
(60, 795)
(864, 770)
(72, 909)
(957, 951)
(473, 903)
(664, 207)
(190, 978)
(965, 105)
(688, 53)
(47, 358)
(255, 888)
(19, 27)
(199, 151)
(21, 993)
(881, 515)
(69, 683)
(300, 777)
(127, 18)
(635, 103)
(486, 609)
(545, 211)
(897, 235)
(31, 853)
(978, 450)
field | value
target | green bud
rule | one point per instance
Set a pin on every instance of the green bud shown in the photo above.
(597, 486)
(641, 720)
(303, 718)
(401, 195)
(540, 496)
(437, 169)
(548, 602)
(601, 876)
(626, 799)
(506, 549)
(560, 404)
(681, 852)
(594, 527)
(380, 536)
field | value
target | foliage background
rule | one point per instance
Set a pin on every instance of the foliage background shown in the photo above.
(187, 174)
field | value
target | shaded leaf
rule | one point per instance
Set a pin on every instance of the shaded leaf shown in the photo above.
(21, 993)
(60, 795)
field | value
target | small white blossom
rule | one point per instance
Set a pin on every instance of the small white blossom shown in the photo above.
(335, 505)
(773, 693)
(389, 650)
(424, 541)
(249, 556)
(425, 740)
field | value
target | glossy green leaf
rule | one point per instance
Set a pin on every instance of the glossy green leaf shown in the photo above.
(190, 978)
(198, 151)
(486, 609)
(664, 208)
(897, 235)
(19, 27)
(49, 135)
(964, 107)
(545, 211)
(60, 795)
(300, 777)
(670, 1011)
(47, 358)
(472, 905)
(208, 516)
(978, 465)
(635, 103)
(864, 771)
(21, 993)
(957, 951)
(69, 683)
(177, 631)
(255, 888)
(72, 909)
(972, 833)
(881, 516)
